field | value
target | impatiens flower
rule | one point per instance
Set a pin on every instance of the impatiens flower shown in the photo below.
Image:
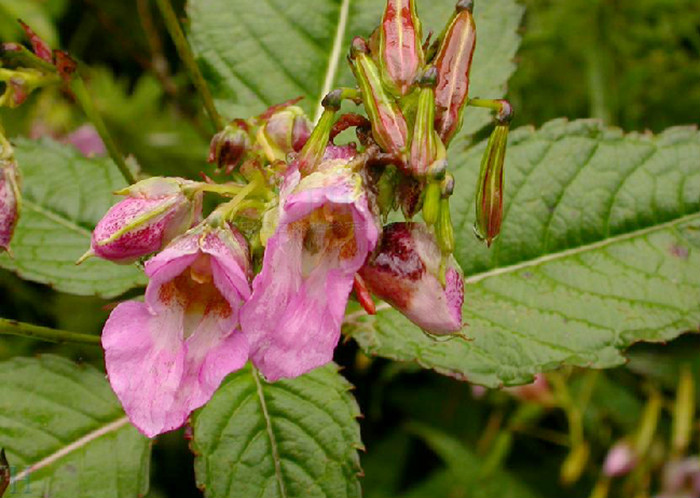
(166, 356)
(405, 272)
(10, 199)
(87, 141)
(156, 211)
(324, 234)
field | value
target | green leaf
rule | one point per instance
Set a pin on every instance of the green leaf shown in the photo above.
(258, 53)
(64, 195)
(293, 438)
(599, 249)
(65, 433)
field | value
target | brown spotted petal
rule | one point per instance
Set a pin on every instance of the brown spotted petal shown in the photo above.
(405, 273)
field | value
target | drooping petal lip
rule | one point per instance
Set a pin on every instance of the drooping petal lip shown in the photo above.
(324, 234)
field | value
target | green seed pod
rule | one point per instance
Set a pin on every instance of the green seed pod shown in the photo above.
(311, 154)
(489, 190)
(386, 190)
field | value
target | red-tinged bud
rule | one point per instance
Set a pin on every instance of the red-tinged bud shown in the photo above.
(409, 192)
(489, 190)
(389, 127)
(228, 147)
(400, 49)
(5, 473)
(405, 272)
(155, 212)
(285, 131)
(65, 65)
(427, 148)
(10, 198)
(453, 62)
(41, 48)
(363, 295)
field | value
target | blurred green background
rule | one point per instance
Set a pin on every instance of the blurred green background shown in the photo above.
(633, 64)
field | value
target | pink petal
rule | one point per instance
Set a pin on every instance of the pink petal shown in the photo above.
(293, 321)
(159, 377)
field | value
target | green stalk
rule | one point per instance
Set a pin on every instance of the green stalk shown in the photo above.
(13, 327)
(88, 104)
(185, 53)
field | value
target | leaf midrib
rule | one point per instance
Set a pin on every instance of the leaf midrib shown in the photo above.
(477, 277)
(70, 448)
(270, 433)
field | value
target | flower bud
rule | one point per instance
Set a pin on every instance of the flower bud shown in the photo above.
(453, 62)
(426, 146)
(400, 49)
(228, 147)
(10, 198)
(489, 190)
(620, 460)
(404, 272)
(155, 212)
(389, 127)
(285, 131)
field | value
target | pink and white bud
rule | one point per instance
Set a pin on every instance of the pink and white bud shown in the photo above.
(10, 201)
(285, 131)
(405, 272)
(155, 212)
(621, 459)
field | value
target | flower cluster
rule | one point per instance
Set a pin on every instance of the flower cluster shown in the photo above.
(266, 274)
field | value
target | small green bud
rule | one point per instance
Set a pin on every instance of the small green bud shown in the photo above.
(311, 154)
(444, 229)
(386, 190)
(431, 203)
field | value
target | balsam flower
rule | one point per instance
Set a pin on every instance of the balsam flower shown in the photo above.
(155, 212)
(405, 273)
(10, 197)
(324, 234)
(166, 356)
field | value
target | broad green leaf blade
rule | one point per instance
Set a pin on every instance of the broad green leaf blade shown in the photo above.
(599, 249)
(65, 433)
(258, 53)
(64, 195)
(293, 438)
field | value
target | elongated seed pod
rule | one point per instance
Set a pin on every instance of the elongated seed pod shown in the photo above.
(389, 127)
(489, 190)
(453, 62)
(400, 49)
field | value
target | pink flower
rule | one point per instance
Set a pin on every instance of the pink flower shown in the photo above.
(324, 234)
(167, 356)
(9, 201)
(87, 141)
(156, 211)
(621, 459)
(405, 273)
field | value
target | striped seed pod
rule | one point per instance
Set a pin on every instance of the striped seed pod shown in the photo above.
(400, 50)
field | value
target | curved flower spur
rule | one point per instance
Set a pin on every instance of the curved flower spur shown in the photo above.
(304, 213)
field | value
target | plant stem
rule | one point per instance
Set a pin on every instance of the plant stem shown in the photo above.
(185, 53)
(88, 104)
(13, 327)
